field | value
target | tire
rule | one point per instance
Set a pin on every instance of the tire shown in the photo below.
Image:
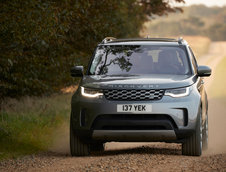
(78, 148)
(193, 144)
(205, 134)
(97, 147)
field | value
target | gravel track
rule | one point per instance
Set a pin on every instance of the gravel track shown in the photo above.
(153, 157)
(137, 156)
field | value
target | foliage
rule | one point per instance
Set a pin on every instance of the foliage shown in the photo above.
(217, 32)
(196, 20)
(40, 40)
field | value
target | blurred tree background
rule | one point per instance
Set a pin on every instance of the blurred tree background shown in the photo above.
(41, 39)
(196, 20)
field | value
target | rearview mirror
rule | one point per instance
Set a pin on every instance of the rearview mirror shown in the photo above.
(77, 71)
(204, 71)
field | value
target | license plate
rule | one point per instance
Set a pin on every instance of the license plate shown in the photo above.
(134, 108)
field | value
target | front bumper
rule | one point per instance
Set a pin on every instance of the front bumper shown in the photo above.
(182, 113)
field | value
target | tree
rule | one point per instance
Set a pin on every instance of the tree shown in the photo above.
(41, 40)
(158, 7)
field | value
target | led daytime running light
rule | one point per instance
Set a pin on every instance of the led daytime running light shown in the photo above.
(90, 95)
(187, 91)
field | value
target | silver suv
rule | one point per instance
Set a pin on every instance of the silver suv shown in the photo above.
(139, 90)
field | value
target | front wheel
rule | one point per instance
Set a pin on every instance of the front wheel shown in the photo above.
(193, 144)
(77, 146)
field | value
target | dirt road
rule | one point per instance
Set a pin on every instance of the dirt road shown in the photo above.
(139, 156)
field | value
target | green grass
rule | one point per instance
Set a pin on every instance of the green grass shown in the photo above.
(27, 125)
(217, 89)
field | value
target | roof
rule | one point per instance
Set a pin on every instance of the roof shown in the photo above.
(143, 41)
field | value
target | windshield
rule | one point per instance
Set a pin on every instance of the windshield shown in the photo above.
(139, 59)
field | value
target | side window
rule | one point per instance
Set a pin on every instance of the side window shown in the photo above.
(194, 62)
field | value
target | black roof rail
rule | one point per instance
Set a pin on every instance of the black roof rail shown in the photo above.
(161, 39)
(107, 39)
(145, 39)
(112, 39)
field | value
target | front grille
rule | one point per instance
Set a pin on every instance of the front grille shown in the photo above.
(133, 94)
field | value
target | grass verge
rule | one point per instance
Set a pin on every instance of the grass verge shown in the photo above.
(27, 125)
(217, 89)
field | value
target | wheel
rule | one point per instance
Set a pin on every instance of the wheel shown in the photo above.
(205, 134)
(193, 144)
(78, 148)
(97, 147)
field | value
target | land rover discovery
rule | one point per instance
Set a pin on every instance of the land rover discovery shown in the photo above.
(137, 90)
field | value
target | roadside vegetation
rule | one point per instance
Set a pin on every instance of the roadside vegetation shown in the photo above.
(27, 125)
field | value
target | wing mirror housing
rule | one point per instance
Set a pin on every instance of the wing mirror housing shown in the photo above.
(204, 71)
(77, 71)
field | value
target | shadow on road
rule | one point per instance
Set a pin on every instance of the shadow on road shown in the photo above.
(145, 149)
(139, 150)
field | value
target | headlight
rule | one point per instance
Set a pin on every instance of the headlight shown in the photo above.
(88, 92)
(180, 92)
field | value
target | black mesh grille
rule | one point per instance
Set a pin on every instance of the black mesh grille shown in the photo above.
(133, 94)
(134, 122)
